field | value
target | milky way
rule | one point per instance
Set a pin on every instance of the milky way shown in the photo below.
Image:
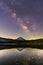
(21, 18)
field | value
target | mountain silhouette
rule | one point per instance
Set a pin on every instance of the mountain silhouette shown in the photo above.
(20, 43)
(20, 38)
(3, 39)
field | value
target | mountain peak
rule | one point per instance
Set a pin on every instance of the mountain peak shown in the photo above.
(20, 38)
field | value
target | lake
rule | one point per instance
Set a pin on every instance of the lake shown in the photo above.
(27, 56)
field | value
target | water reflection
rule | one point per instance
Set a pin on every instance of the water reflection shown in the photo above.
(27, 56)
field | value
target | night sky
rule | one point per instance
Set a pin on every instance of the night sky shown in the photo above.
(21, 18)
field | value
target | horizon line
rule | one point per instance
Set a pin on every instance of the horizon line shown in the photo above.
(19, 37)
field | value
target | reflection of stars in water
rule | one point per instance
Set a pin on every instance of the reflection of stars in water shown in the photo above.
(32, 57)
(38, 54)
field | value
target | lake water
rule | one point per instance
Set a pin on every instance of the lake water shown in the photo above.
(27, 56)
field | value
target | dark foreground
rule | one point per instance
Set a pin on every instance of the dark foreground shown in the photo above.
(20, 46)
(20, 42)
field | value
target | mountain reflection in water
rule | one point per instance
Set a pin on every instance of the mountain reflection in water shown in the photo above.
(27, 56)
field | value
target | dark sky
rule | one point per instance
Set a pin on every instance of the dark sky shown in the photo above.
(21, 18)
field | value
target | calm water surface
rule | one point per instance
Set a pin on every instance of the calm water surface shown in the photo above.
(27, 56)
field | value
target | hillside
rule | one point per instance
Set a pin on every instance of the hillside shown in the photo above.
(20, 42)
